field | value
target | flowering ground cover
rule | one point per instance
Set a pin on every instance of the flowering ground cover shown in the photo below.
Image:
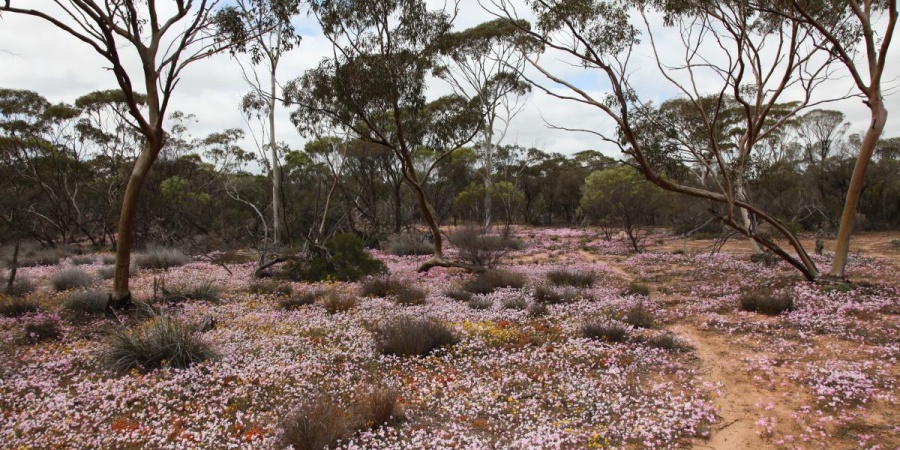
(698, 372)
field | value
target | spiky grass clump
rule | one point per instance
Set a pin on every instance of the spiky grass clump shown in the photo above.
(639, 316)
(604, 330)
(82, 260)
(338, 302)
(767, 302)
(302, 299)
(42, 329)
(480, 303)
(408, 245)
(639, 289)
(270, 287)
(161, 258)
(70, 279)
(387, 286)
(549, 296)
(16, 306)
(668, 342)
(459, 295)
(163, 341)
(491, 280)
(20, 288)
(86, 302)
(574, 278)
(409, 336)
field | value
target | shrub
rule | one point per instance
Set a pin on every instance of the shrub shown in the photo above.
(270, 287)
(336, 302)
(537, 310)
(668, 342)
(161, 341)
(347, 260)
(549, 296)
(386, 286)
(322, 422)
(480, 303)
(458, 294)
(21, 287)
(636, 288)
(44, 329)
(296, 301)
(42, 257)
(604, 330)
(766, 302)
(207, 291)
(161, 258)
(86, 302)
(82, 260)
(407, 244)
(576, 278)
(517, 303)
(638, 316)
(480, 249)
(410, 296)
(70, 279)
(316, 424)
(491, 280)
(15, 307)
(108, 259)
(107, 272)
(408, 336)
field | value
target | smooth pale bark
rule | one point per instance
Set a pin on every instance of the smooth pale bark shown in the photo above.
(488, 147)
(848, 217)
(277, 192)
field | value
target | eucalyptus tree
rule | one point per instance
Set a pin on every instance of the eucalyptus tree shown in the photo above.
(268, 47)
(602, 35)
(374, 87)
(165, 37)
(859, 34)
(483, 64)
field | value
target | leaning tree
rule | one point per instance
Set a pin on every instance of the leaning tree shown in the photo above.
(166, 37)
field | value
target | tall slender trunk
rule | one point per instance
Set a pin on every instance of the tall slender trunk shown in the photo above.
(277, 197)
(398, 212)
(121, 296)
(488, 150)
(873, 134)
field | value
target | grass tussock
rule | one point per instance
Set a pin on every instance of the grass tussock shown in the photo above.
(491, 280)
(81, 260)
(387, 286)
(41, 330)
(161, 258)
(73, 278)
(270, 287)
(480, 303)
(86, 302)
(767, 302)
(481, 249)
(604, 330)
(406, 244)
(458, 295)
(21, 287)
(409, 336)
(536, 310)
(163, 341)
(338, 302)
(668, 342)
(574, 278)
(517, 303)
(637, 288)
(547, 295)
(302, 299)
(639, 316)
(17, 306)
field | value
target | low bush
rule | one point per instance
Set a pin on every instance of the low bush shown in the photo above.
(318, 423)
(335, 302)
(269, 287)
(387, 286)
(549, 296)
(483, 250)
(517, 303)
(70, 279)
(767, 302)
(491, 280)
(636, 288)
(406, 244)
(86, 302)
(459, 295)
(575, 278)
(604, 330)
(82, 260)
(303, 299)
(161, 258)
(668, 342)
(162, 341)
(536, 310)
(21, 287)
(15, 307)
(107, 272)
(322, 422)
(639, 316)
(207, 291)
(347, 260)
(108, 259)
(43, 329)
(408, 336)
(41, 257)
(480, 303)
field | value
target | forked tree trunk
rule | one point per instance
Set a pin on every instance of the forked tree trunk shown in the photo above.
(873, 134)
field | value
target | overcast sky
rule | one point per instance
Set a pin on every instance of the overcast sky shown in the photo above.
(38, 57)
